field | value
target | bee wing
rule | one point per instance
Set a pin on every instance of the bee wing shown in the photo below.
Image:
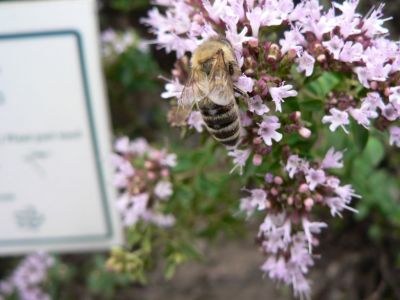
(220, 82)
(194, 90)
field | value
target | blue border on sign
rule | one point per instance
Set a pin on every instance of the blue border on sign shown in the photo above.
(100, 173)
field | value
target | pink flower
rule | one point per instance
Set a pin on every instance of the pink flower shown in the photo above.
(163, 189)
(120, 180)
(139, 146)
(361, 116)
(305, 64)
(259, 198)
(346, 192)
(372, 101)
(390, 112)
(394, 97)
(160, 220)
(245, 83)
(216, 9)
(334, 46)
(296, 164)
(276, 268)
(245, 119)
(394, 136)
(255, 18)
(337, 118)
(196, 121)
(351, 52)
(137, 209)
(239, 158)
(315, 177)
(268, 131)
(237, 39)
(257, 106)
(173, 89)
(293, 40)
(372, 24)
(332, 159)
(337, 205)
(363, 75)
(281, 92)
(168, 160)
(310, 228)
(122, 145)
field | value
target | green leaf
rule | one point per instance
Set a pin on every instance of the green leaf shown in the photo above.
(360, 135)
(373, 152)
(312, 105)
(170, 270)
(324, 84)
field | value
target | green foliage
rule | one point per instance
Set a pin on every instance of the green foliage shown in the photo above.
(102, 282)
(132, 71)
(129, 5)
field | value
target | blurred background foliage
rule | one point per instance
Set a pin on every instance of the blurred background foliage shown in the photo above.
(206, 197)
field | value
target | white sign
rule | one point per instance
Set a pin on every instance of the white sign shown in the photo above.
(56, 189)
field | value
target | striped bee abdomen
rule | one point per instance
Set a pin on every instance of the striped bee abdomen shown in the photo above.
(222, 121)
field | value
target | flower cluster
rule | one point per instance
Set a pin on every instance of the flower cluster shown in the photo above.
(27, 279)
(287, 234)
(339, 40)
(307, 44)
(115, 43)
(143, 178)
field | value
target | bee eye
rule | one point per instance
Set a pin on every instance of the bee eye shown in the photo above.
(231, 71)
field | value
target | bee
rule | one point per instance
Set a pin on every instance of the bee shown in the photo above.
(210, 87)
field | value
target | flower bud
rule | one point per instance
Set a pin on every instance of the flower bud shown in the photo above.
(268, 204)
(386, 92)
(374, 85)
(321, 58)
(164, 172)
(257, 141)
(268, 178)
(303, 188)
(295, 116)
(257, 159)
(278, 180)
(253, 43)
(274, 192)
(309, 203)
(291, 54)
(274, 54)
(305, 132)
(148, 164)
(151, 175)
(318, 198)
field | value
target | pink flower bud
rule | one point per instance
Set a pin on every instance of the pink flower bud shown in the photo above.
(267, 204)
(373, 85)
(305, 132)
(308, 203)
(290, 200)
(257, 159)
(151, 175)
(292, 54)
(148, 164)
(321, 58)
(303, 188)
(318, 198)
(274, 192)
(257, 141)
(253, 43)
(278, 180)
(387, 92)
(164, 172)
